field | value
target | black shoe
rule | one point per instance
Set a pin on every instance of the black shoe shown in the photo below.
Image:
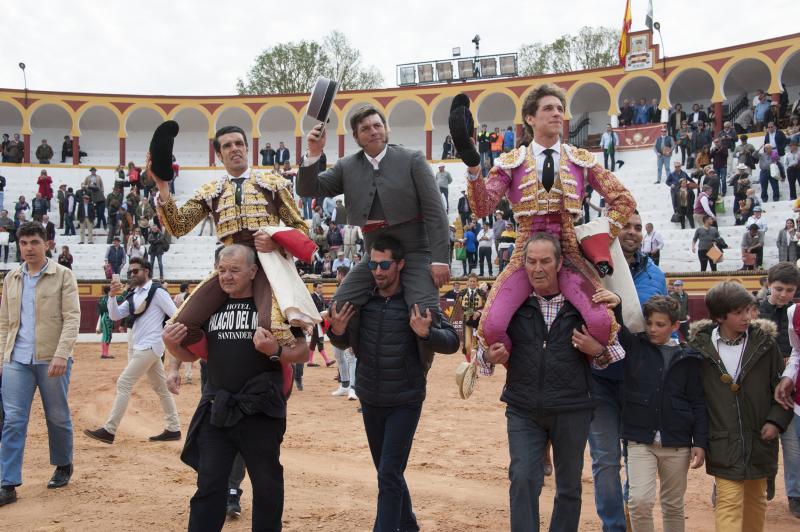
(61, 477)
(794, 506)
(7, 495)
(167, 435)
(234, 509)
(100, 434)
(298, 384)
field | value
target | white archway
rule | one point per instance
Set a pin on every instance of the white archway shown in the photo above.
(140, 126)
(191, 144)
(593, 100)
(407, 125)
(99, 135)
(52, 122)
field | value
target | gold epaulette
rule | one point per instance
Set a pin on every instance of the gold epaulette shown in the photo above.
(511, 159)
(209, 191)
(269, 180)
(580, 156)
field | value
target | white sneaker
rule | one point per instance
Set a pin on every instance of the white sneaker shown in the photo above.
(351, 394)
(339, 392)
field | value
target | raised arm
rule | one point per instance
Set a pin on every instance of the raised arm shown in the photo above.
(179, 221)
(314, 184)
(485, 194)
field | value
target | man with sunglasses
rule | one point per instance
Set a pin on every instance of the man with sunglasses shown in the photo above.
(391, 373)
(148, 305)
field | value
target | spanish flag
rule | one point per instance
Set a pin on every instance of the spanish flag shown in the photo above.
(623, 39)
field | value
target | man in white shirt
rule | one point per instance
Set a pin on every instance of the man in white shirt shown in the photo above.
(652, 244)
(341, 260)
(485, 245)
(609, 142)
(757, 219)
(145, 349)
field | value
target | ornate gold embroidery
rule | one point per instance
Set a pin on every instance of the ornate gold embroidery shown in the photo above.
(179, 221)
(279, 326)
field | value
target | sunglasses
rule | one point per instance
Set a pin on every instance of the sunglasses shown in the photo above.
(384, 264)
(134, 272)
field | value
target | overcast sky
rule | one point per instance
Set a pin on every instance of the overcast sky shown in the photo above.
(201, 47)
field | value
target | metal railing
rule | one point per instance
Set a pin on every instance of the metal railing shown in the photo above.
(579, 131)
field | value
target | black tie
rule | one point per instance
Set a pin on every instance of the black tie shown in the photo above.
(238, 181)
(548, 172)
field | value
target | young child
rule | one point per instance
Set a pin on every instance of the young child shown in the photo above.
(741, 366)
(664, 416)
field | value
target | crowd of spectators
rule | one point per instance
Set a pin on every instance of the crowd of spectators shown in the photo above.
(125, 217)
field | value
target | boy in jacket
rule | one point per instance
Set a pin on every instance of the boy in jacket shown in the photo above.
(663, 417)
(741, 366)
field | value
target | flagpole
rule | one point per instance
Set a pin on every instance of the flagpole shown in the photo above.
(657, 26)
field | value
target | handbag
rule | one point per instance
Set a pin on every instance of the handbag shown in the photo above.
(461, 253)
(719, 206)
(774, 171)
(748, 259)
(108, 271)
(676, 218)
(97, 327)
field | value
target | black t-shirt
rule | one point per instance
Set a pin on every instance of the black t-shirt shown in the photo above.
(232, 356)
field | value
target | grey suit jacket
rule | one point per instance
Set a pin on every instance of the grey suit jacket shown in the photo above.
(405, 184)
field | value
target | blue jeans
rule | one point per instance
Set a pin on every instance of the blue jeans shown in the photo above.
(790, 444)
(19, 384)
(308, 212)
(606, 451)
(527, 437)
(723, 179)
(2, 199)
(390, 433)
(663, 162)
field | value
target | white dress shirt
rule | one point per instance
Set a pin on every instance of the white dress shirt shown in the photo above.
(794, 360)
(148, 327)
(538, 154)
(652, 242)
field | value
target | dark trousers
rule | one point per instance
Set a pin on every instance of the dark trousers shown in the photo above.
(609, 154)
(765, 178)
(445, 192)
(317, 340)
(684, 153)
(100, 214)
(113, 227)
(527, 439)
(683, 329)
(793, 175)
(655, 257)
(237, 470)
(472, 259)
(485, 254)
(390, 433)
(702, 254)
(69, 225)
(258, 438)
(685, 214)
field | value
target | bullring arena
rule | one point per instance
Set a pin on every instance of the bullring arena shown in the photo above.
(458, 470)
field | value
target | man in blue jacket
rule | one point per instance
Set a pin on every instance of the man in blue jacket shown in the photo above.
(604, 433)
(391, 374)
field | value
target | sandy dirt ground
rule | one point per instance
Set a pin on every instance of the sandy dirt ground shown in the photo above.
(457, 472)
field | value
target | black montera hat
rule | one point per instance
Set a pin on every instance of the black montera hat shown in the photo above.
(161, 150)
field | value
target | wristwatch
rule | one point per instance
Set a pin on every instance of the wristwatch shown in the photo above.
(277, 356)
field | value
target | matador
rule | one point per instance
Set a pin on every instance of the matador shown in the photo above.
(549, 207)
(242, 202)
